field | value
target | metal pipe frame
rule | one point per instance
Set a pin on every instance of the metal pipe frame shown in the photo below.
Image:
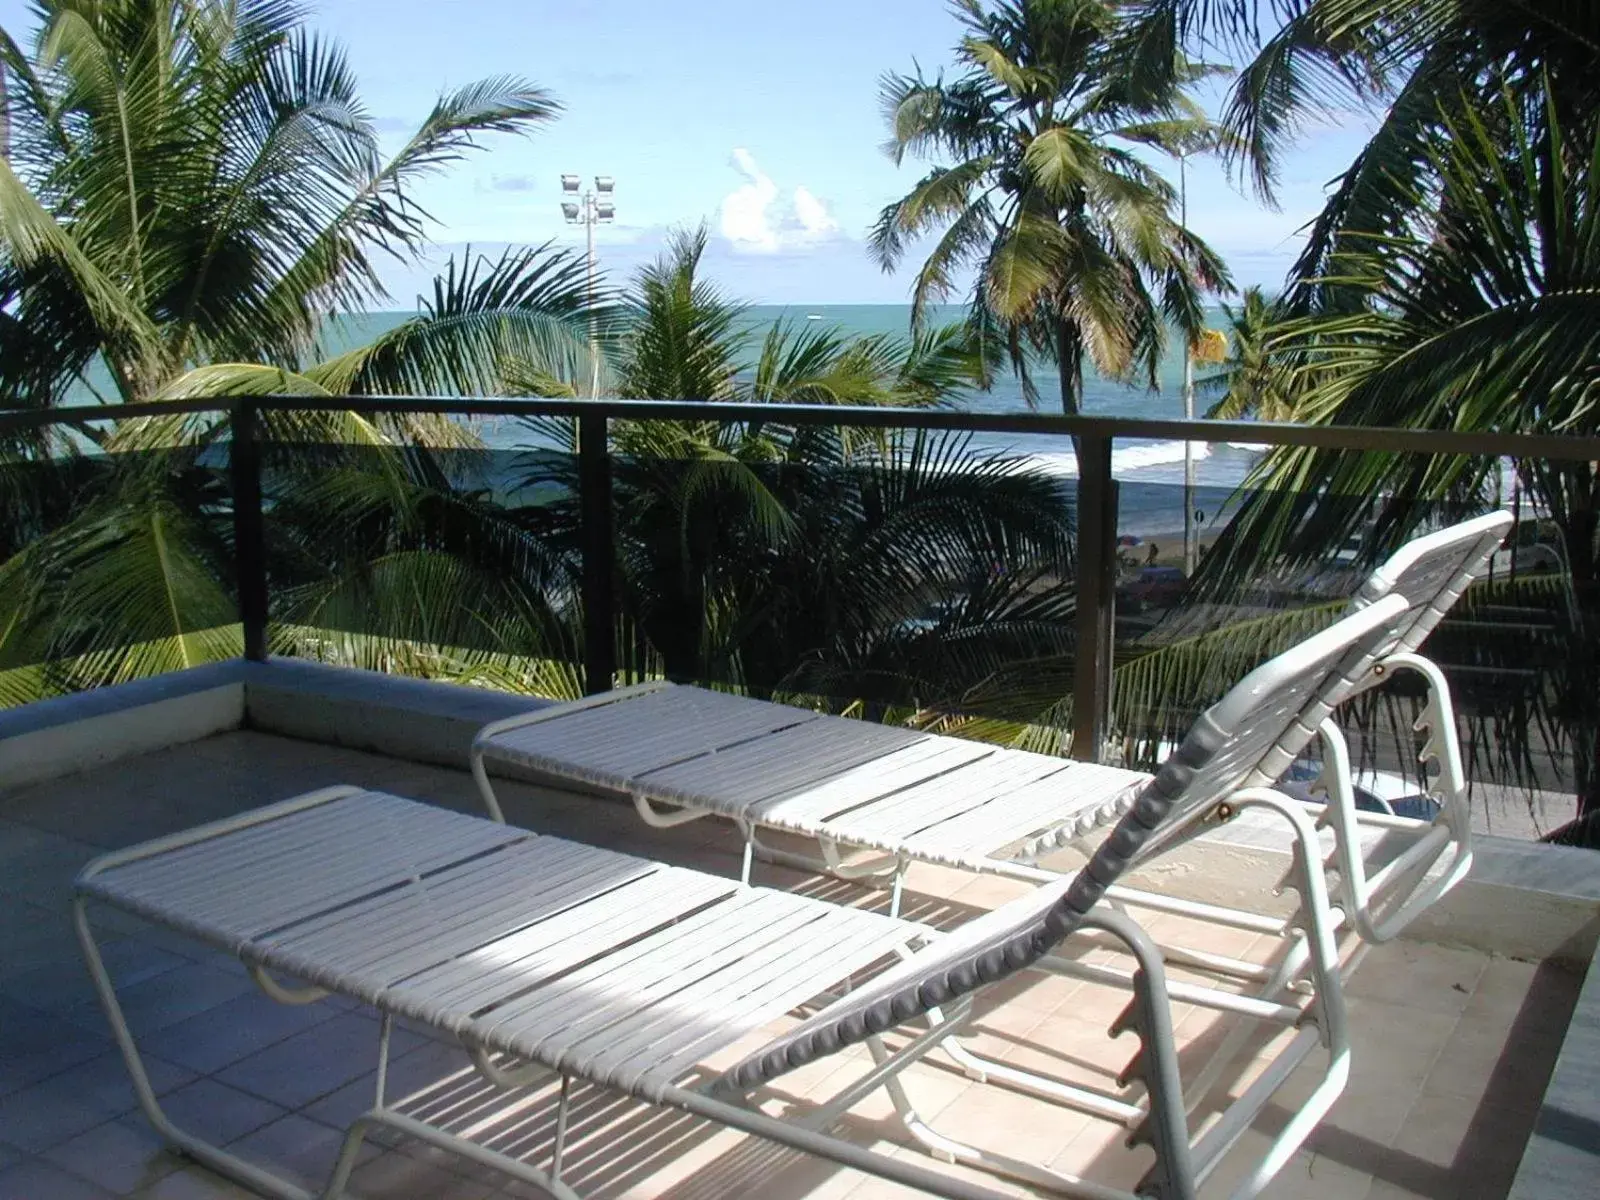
(383, 1114)
(886, 869)
(533, 717)
(208, 1154)
(1316, 954)
(1400, 888)
(1256, 1007)
(1161, 1122)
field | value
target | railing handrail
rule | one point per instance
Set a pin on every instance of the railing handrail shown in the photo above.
(1562, 447)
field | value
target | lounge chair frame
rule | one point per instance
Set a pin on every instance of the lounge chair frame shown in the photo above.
(1159, 1117)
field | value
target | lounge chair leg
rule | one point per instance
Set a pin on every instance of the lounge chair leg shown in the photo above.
(473, 1152)
(1317, 954)
(939, 1146)
(898, 888)
(985, 1070)
(354, 1137)
(658, 818)
(828, 861)
(385, 1029)
(1290, 964)
(280, 993)
(749, 856)
(1165, 1128)
(215, 1157)
(948, 1149)
(1155, 1065)
(561, 1128)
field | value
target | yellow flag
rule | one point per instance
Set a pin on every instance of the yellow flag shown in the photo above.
(1210, 347)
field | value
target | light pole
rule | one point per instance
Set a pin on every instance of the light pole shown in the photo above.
(589, 209)
(1189, 531)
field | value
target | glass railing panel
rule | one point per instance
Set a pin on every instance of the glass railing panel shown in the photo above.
(437, 549)
(1517, 649)
(905, 577)
(115, 554)
(921, 578)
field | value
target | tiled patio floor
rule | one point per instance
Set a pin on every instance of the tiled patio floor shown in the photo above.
(1452, 1048)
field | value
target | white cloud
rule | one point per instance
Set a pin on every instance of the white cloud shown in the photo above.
(812, 214)
(756, 220)
(745, 219)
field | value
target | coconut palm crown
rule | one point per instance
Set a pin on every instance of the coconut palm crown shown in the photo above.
(1040, 189)
(188, 182)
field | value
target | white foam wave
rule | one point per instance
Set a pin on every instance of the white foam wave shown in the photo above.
(1123, 458)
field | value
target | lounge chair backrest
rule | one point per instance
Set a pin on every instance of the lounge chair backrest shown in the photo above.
(1276, 703)
(1431, 573)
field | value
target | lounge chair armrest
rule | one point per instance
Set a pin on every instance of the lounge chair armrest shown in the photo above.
(1438, 720)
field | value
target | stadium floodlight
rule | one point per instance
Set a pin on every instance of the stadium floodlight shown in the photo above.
(589, 210)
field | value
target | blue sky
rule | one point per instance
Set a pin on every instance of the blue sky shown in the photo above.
(761, 118)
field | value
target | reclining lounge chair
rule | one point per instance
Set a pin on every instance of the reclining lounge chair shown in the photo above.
(876, 799)
(544, 956)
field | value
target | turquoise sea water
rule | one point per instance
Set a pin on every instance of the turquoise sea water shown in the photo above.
(1147, 461)
(1102, 397)
(1151, 502)
(1150, 462)
(1152, 471)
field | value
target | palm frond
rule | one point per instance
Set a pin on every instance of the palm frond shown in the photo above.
(525, 311)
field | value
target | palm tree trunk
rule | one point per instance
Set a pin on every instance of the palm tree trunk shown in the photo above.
(1069, 354)
(1069, 357)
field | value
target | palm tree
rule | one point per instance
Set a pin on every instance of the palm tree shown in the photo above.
(188, 189)
(1077, 254)
(191, 183)
(1482, 313)
(1440, 287)
(1416, 67)
(1248, 382)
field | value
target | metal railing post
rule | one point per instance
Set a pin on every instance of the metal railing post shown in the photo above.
(598, 523)
(249, 534)
(1097, 539)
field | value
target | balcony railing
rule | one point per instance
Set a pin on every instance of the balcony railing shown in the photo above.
(1074, 597)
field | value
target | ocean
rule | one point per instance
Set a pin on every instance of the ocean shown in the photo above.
(1151, 472)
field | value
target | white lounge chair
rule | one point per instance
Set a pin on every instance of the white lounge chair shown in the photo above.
(541, 955)
(1430, 573)
(877, 798)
